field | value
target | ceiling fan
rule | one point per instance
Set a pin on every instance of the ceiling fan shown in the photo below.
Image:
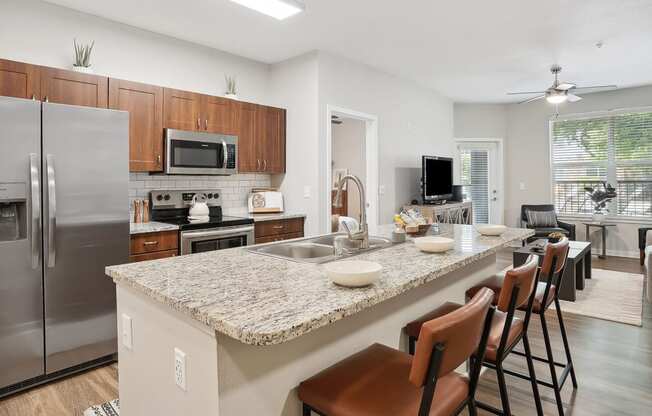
(561, 92)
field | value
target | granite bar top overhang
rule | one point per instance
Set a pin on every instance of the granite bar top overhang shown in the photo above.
(261, 300)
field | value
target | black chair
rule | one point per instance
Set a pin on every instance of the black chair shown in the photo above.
(641, 241)
(563, 227)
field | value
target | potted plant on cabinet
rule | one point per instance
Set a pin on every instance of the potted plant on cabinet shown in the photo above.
(83, 57)
(230, 87)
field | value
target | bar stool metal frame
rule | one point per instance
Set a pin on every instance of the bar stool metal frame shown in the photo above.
(504, 349)
(432, 374)
(557, 383)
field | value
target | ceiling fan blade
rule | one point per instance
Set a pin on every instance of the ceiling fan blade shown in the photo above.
(525, 92)
(595, 88)
(533, 99)
(565, 86)
(573, 98)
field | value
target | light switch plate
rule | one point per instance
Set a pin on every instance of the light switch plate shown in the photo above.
(521, 186)
(306, 191)
(127, 332)
(180, 369)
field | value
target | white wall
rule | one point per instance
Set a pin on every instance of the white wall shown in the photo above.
(527, 151)
(41, 33)
(412, 121)
(480, 121)
(349, 153)
(294, 86)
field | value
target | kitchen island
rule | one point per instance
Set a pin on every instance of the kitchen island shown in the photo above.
(252, 326)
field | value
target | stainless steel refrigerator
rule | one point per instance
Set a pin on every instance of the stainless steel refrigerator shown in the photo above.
(64, 216)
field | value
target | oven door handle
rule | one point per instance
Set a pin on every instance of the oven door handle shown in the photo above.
(215, 233)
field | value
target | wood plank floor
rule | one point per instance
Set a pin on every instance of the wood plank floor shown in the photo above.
(613, 363)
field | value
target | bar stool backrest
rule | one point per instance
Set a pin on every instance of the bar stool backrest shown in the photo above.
(524, 278)
(554, 262)
(456, 336)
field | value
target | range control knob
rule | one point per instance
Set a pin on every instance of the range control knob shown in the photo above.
(167, 197)
(159, 197)
(216, 196)
(209, 196)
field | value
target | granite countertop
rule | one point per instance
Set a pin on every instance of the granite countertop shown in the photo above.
(273, 217)
(262, 300)
(150, 227)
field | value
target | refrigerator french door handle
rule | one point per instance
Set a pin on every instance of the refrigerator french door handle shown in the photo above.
(35, 203)
(52, 211)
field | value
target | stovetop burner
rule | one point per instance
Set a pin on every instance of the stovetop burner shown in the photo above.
(173, 206)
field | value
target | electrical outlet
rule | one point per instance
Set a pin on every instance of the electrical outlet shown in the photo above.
(127, 332)
(180, 369)
(306, 191)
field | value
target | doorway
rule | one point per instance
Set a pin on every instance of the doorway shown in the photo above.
(480, 172)
(351, 148)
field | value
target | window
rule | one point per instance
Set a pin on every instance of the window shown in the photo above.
(615, 148)
(474, 177)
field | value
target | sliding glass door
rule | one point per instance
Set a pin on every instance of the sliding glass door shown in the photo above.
(480, 174)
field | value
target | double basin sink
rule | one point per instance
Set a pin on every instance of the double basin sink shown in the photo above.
(319, 249)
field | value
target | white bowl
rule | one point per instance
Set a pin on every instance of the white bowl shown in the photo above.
(353, 273)
(434, 244)
(490, 229)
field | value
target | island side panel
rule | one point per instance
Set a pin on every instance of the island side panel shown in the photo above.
(146, 371)
(261, 381)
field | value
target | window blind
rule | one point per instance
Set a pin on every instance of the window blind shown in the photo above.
(615, 148)
(474, 174)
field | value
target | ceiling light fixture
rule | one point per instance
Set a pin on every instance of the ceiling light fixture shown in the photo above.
(278, 9)
(556, 97)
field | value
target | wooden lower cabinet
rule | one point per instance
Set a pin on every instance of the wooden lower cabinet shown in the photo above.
(153, 256)
(278, 230)
(151, 246)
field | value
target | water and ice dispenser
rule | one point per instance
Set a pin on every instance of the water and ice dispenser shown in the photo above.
(13, 211)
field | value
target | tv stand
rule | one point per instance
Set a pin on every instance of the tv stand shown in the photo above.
(450, 212)
(437, 202)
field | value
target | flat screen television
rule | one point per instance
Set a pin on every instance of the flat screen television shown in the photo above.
(436, 179)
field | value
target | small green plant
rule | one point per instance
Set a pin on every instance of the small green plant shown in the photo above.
(83, 53)
(230, 84)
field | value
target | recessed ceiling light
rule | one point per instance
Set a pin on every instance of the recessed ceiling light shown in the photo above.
(278, 9)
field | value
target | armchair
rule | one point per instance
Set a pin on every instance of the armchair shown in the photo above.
(563, 227)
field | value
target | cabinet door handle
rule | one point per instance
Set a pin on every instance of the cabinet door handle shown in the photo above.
(205, 124)
(258, 164)
(150, 243)
(158, 160)
(278, 227)
(33, 97)
(199, 123)
(47, 100)
(265, 166)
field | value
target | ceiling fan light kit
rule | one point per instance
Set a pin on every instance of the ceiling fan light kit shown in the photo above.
(560, 92)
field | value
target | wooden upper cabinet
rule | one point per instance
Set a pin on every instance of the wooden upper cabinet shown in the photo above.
(182, 110)
(218, 115)
(19, 80)
(145, 106)
(248, 160)
(68, 87)
(274, 153)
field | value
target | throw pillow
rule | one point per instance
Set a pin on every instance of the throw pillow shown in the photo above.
(542, 218)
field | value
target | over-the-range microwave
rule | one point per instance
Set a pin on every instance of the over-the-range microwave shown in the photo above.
(197, 153)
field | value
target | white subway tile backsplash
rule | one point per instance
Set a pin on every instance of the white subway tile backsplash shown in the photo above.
(235, 188)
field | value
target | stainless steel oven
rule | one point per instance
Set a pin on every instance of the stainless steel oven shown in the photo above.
(219, 238)
(196, 153)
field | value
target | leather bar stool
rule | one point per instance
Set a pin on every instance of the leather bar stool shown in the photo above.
(506, 330)
(382, 381)
(550, 275)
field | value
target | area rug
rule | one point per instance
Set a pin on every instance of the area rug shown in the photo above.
(111, 408)
(611, 296)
